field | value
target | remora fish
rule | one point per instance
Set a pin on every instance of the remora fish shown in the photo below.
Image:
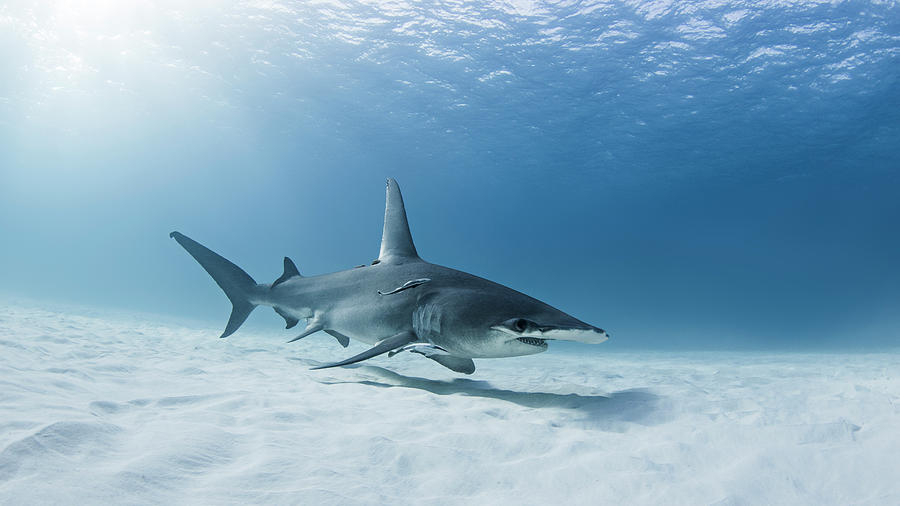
(400, 303)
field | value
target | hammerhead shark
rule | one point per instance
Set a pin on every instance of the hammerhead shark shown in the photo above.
(400, 303)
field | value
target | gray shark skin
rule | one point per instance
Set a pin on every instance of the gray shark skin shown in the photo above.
(400, 303)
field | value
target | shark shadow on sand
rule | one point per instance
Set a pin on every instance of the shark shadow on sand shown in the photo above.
(632, 405)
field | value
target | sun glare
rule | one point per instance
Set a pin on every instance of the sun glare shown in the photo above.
(97, 15)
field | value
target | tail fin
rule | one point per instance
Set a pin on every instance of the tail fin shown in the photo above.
(237, 284)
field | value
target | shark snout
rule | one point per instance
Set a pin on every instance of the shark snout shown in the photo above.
(578, 333)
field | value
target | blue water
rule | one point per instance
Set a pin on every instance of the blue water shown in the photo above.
(687, 174)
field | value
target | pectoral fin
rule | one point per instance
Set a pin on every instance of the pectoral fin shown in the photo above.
(311, 329)
(384, 346)
(456, 364)
(426, 349)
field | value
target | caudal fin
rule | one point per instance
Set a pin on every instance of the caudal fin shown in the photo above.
(237, 284)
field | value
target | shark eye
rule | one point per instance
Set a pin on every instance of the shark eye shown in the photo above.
(519, 324)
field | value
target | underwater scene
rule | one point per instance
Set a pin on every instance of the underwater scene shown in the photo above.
(446, 252)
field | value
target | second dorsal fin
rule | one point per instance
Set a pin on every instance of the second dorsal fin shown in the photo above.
(290, 270)
(396, 241)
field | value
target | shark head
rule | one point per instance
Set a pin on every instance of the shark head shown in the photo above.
(495, 321)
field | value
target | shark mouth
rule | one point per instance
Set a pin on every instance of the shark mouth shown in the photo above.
(540, 343)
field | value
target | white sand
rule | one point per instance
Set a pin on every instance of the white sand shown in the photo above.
(125, 410)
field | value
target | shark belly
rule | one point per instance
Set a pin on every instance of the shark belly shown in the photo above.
(346, 302)
(369, 322)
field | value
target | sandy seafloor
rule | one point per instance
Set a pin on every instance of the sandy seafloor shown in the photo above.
(118, 409)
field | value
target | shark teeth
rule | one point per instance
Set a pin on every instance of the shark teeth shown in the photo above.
(532, 341)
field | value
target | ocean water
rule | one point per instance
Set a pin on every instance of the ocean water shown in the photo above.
(716, 183)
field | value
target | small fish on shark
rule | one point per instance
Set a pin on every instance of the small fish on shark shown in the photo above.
(400, 303)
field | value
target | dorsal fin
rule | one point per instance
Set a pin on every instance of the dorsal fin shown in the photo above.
(290, 270)
(396, 241)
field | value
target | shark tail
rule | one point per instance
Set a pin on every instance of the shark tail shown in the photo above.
(238, 286)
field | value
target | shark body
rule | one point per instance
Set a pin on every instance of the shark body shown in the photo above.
(400, 303)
